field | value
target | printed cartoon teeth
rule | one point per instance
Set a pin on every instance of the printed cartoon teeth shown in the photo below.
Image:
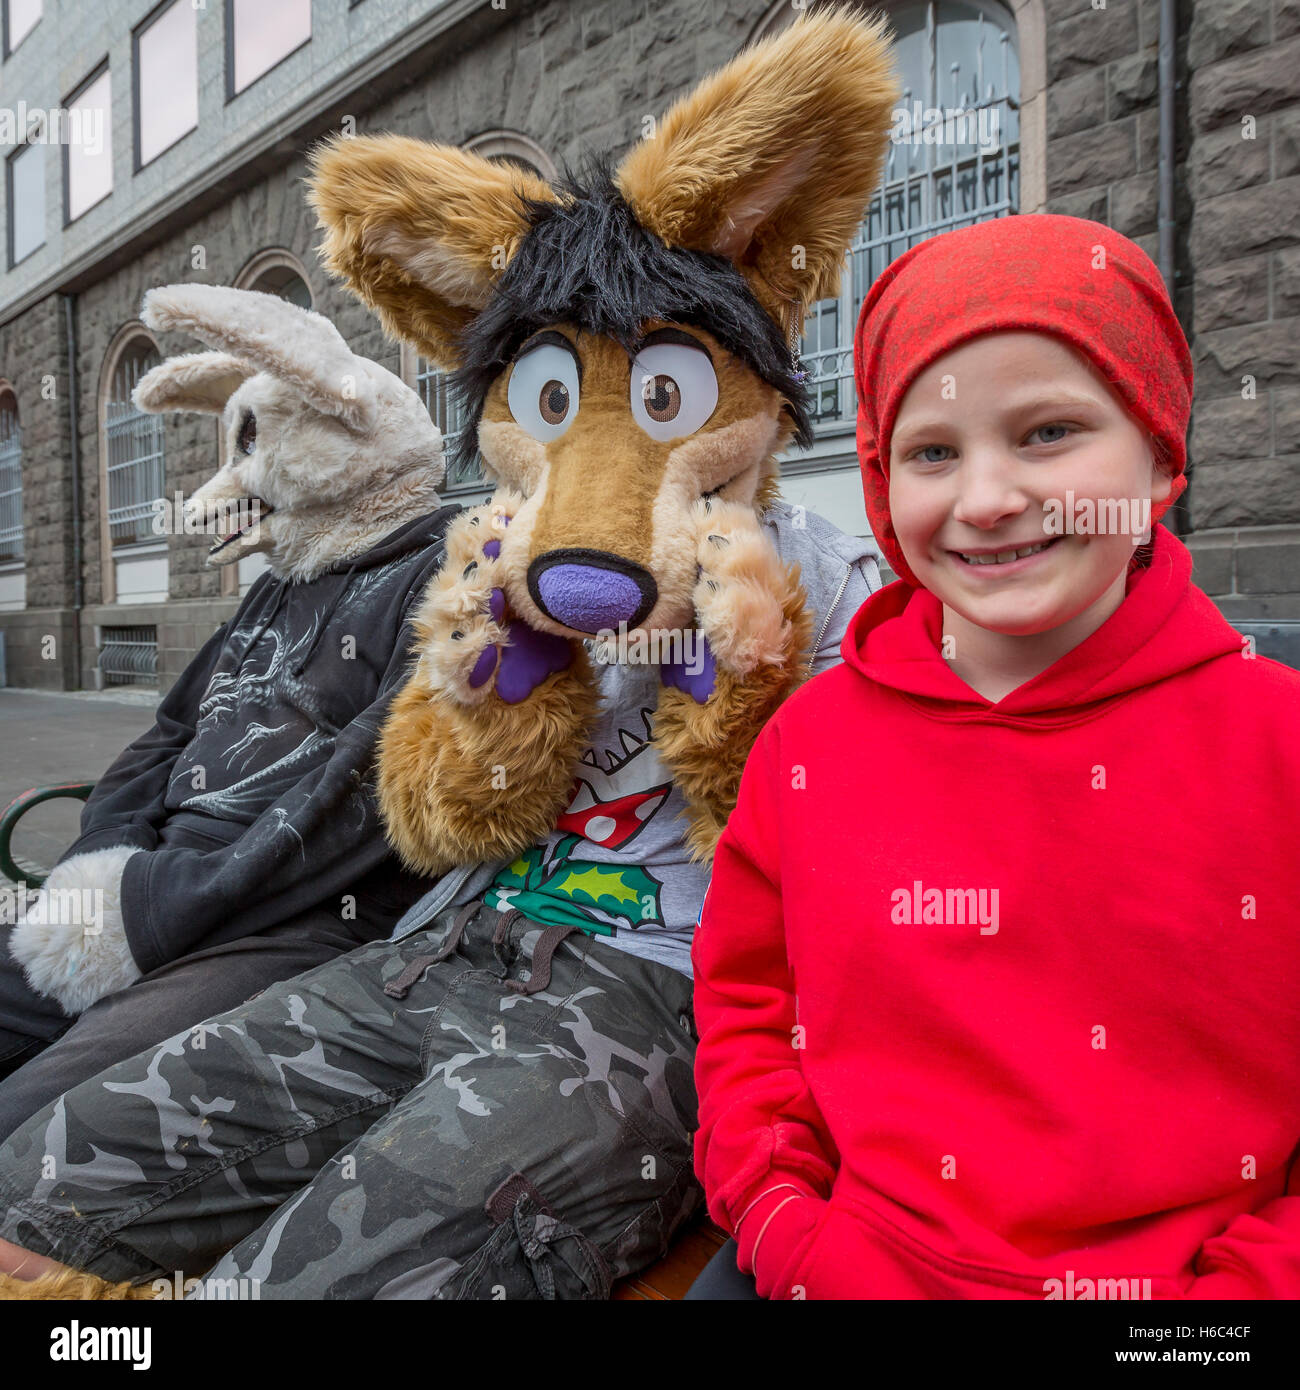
(1004, 557)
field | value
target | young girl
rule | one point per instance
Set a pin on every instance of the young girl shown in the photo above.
(1025, 1024)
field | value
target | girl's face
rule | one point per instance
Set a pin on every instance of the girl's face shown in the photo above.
(1009, 462)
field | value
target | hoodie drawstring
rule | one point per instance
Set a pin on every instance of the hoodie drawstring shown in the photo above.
(265, 623)
(324, 622)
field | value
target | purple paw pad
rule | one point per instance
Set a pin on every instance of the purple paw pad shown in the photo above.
(492, 549)
(528, 660)
(483, 668)
(497, 605)
(697, 684)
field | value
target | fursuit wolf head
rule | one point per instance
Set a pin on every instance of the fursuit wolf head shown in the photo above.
(326, 452)
(623, 339)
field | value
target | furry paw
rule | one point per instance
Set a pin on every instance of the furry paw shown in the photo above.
(71, 941)
(470, 645)
(741, 596)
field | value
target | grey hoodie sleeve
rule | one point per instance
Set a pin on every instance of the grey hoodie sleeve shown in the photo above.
(860, 580)
(126, 807)
(839, 572)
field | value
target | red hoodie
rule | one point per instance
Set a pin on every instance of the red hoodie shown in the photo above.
(1003, 1000)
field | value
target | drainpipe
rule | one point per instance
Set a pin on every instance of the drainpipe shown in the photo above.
(74, 441)
(1167, 78)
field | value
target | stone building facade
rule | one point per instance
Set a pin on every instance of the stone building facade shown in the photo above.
(1237, 210)
(544, 80)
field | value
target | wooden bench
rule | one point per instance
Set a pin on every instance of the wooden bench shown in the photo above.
(670, 1277)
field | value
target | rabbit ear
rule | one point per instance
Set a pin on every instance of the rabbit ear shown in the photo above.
(200, 381)
(301, 349)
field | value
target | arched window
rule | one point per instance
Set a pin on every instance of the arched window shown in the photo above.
(277, 271)
(502, 147)
(513, 147)
(953, 160)
(11, 478)
(135, 465)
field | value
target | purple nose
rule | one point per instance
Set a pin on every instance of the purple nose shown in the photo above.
(590, 590)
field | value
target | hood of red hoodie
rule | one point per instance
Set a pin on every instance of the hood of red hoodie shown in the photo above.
(1164, 626)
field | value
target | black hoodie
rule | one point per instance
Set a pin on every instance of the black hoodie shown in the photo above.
(253, 791)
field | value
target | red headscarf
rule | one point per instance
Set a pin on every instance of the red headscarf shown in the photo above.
(1076, 279)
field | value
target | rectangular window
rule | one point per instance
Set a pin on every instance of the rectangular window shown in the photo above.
(259, 35)
(166, 79)
(20, 18)
(11, 480)
(88, 153)
(26, 180)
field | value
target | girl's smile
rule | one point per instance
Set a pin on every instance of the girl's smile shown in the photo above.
(997, 563)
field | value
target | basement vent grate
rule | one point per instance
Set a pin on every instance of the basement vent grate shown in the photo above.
(128, 655)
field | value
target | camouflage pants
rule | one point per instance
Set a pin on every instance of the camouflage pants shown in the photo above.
(502, 1122)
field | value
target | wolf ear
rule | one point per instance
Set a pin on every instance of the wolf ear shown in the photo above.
(419, 231)
(297, 346)
(772, 160)
(199, 381)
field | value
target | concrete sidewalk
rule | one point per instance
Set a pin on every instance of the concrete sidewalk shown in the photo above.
(46, 737)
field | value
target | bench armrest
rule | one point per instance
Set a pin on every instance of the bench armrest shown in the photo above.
(17, 809)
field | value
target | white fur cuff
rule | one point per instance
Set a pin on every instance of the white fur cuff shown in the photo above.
(71, 941)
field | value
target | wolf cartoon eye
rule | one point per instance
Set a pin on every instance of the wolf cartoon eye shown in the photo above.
(247, 440)
(543, 391)
(674, 390)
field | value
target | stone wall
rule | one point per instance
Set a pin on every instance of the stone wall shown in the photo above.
(1243, 260)
(183, 627)
(1237, 192)
(1102, 116)
(41, 648)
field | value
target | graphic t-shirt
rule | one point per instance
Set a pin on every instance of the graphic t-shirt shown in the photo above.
(616, 862)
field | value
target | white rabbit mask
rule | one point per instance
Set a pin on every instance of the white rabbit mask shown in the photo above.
(326, 452)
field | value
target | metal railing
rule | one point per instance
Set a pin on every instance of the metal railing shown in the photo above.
(954, 159)
(450, 417)
(128, 655)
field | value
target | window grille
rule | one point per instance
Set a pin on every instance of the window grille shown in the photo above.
(128, 655)
(11, 481)
(449, 415)
(954, 160)
(136, 465)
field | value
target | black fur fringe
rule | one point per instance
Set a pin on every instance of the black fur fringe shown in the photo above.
(587, 261)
